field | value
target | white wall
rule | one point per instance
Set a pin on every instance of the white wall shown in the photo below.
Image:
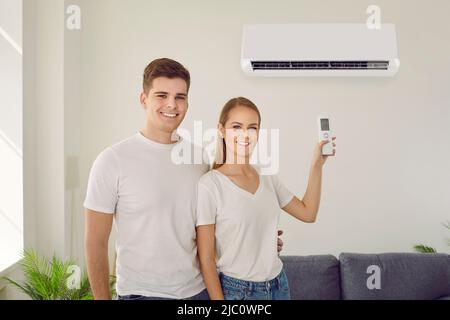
(47, 106)
(386, 190)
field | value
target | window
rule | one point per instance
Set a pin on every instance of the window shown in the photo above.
(11, 182)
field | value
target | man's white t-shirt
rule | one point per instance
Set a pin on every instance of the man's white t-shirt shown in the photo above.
(246, 224)
(154, 201)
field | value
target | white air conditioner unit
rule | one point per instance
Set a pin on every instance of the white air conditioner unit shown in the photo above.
(319, 50)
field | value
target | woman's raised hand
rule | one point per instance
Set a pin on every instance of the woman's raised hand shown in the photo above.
(318, 158)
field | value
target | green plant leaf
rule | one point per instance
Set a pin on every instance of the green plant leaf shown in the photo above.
(46, 279)
(424, 249)
(36, 272)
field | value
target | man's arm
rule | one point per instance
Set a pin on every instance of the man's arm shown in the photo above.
(206, 255)
(97, 230)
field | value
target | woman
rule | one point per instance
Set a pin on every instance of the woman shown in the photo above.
(238, 212)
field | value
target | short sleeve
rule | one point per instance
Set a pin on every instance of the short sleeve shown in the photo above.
(284, 196)
(206, 206)
(102, 190)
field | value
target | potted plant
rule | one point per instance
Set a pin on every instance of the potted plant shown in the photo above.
(426, 249)
(50, 279)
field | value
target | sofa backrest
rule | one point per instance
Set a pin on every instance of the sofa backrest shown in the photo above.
(313, 277)
(405, 276)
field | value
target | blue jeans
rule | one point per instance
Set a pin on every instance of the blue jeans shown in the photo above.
(200, 296)
(275, 289)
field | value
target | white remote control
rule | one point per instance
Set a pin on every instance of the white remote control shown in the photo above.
(325, 134)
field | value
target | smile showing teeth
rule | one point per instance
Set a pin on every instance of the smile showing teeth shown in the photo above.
(243, 143)
(169, 115)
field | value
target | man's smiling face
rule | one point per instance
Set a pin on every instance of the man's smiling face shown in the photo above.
(166, 103)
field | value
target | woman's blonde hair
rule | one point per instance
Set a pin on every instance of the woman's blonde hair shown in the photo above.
(221, 151)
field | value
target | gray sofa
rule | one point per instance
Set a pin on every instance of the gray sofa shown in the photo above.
(405, 276)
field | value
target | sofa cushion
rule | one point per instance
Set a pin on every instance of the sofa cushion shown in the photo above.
(401, 276)
(312, 277)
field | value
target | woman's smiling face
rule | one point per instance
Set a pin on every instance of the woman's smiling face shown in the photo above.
(241, 133)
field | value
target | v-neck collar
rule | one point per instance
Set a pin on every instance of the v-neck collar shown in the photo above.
(239, 189)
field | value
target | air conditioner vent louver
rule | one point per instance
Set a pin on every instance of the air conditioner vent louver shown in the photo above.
(319, 49)
(320, 65)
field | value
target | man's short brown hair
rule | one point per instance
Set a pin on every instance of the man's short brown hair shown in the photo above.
(165, 67)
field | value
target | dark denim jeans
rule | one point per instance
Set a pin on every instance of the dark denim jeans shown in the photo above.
(200, 296)
(236, 289)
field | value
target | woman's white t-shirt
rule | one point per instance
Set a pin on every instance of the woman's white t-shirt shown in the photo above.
(245, 224)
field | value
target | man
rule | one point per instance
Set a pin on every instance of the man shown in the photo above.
(152, 199)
